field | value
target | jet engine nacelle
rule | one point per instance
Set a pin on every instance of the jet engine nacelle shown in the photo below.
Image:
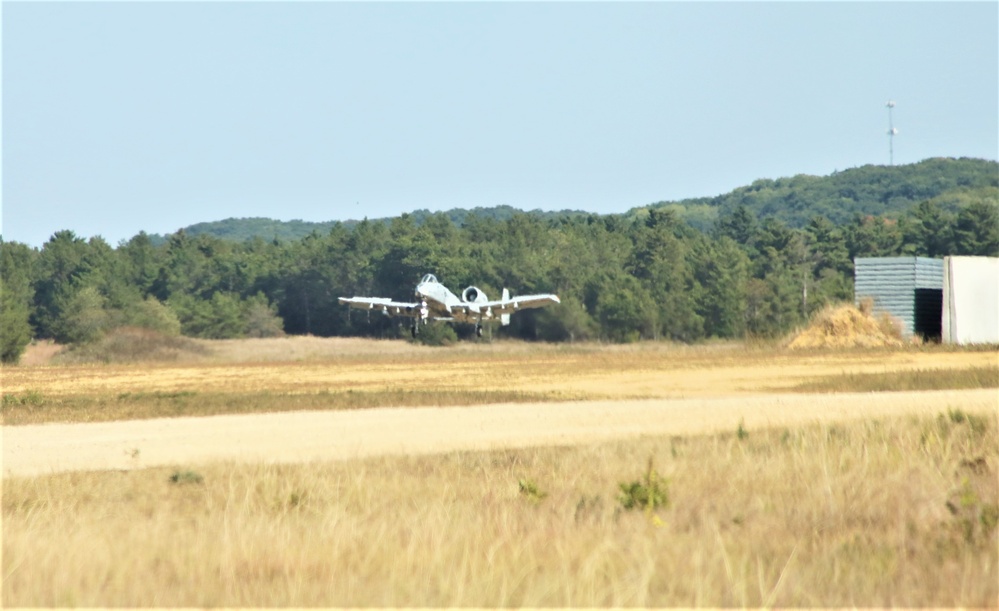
(473, 294)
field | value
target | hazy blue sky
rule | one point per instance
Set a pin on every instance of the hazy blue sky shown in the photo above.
(121, 117)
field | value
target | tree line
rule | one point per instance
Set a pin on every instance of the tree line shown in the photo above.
(620, 278)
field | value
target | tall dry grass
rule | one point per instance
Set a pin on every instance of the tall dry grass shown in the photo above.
(897, 381)
(890, 513)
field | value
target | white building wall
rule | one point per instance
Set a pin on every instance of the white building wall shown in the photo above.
(970, 300)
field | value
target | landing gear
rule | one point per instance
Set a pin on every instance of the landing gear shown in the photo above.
(424, 315)
(478, 330)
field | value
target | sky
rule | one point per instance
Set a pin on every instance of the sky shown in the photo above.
(123, 117)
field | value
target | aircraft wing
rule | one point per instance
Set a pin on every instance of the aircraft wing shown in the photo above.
(382, 304)
(510, 305)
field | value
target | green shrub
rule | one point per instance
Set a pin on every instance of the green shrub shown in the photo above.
(85, 317)
(436, 334)
(261, 317)
(152, 314)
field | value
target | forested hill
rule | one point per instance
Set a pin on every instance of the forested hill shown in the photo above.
(246, 228)
(869, 190)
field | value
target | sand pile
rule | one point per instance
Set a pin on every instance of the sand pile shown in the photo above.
(846, 326)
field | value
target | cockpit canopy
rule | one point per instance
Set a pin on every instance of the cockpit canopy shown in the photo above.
(429, 278)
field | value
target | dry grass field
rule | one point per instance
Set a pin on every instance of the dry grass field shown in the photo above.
(815, 495)
(247, 376)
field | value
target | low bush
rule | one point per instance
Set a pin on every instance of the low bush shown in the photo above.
(132, 344)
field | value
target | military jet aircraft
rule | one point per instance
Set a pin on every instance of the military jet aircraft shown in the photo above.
(438, 303)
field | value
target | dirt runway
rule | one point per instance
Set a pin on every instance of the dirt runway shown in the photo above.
(319, 436)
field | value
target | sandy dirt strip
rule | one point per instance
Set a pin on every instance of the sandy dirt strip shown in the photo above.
(324, 435)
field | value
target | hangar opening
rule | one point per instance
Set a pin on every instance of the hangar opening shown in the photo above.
(928, 307)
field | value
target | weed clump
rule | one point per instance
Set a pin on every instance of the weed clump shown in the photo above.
(974, 517)
(741, 431)
(29, 398)
(186, 477)
(531, 491)
(647, 493)
(958, 418)
(15, 406)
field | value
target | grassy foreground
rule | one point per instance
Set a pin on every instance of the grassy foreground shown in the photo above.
(880, 513)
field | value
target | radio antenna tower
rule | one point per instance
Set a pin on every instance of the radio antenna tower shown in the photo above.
(891, 134)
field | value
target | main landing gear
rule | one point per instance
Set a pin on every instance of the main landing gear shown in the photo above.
(424, 314)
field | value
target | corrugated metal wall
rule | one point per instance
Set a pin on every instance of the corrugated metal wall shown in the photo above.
(892, 282)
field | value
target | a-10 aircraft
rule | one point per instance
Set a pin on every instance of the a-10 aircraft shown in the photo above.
(438, 303)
